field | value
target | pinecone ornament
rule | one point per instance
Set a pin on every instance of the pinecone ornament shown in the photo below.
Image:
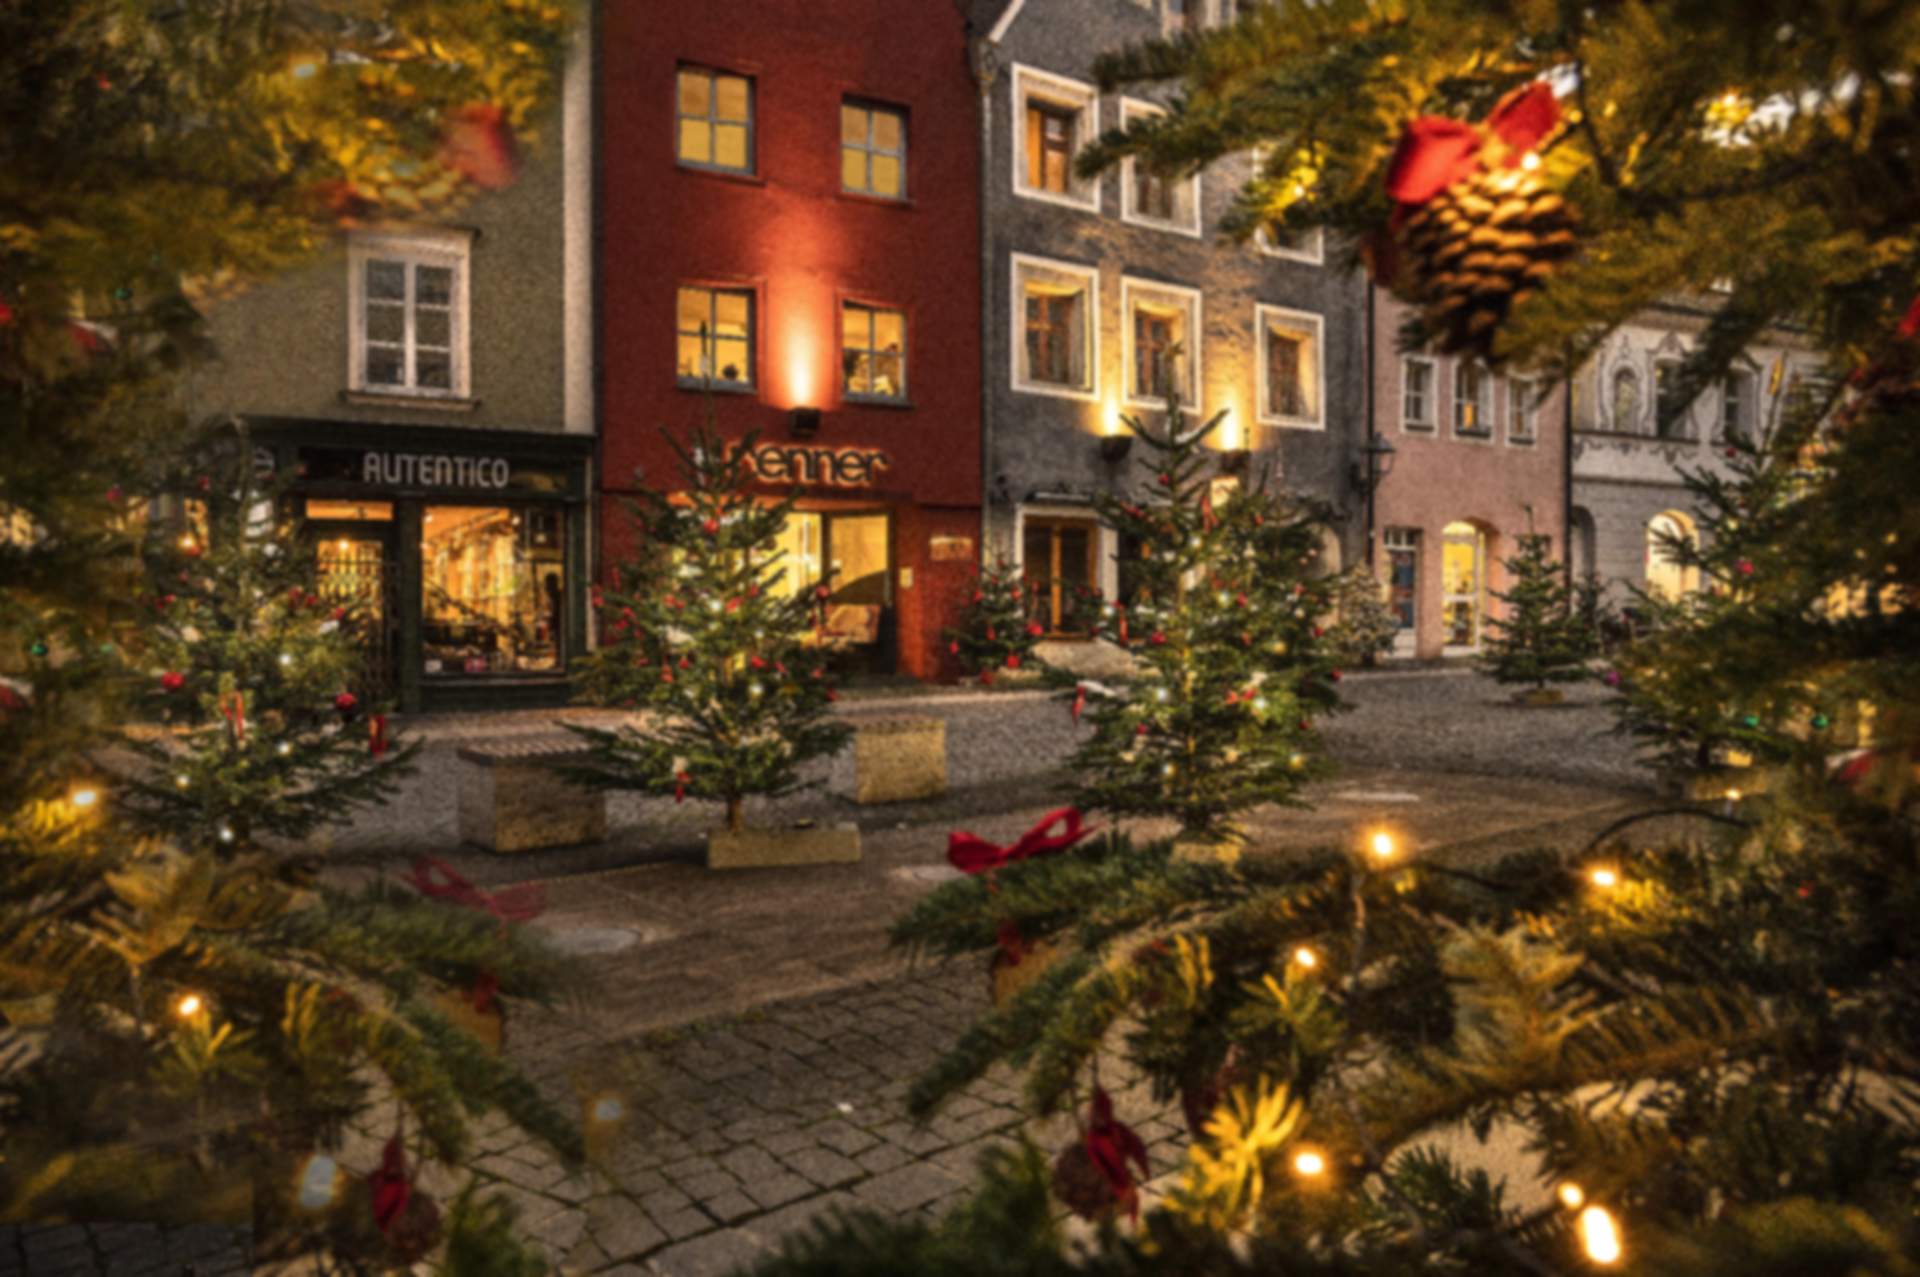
(1479, 249)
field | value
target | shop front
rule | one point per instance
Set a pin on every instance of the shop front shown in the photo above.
(465, 552)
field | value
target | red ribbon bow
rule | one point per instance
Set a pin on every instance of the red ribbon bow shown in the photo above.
(971, 854)
(1112, 1144)
(233, 708)
(391, 1188)
(1435, 151)
(377, 735)
(436, 878)
(1079, 701)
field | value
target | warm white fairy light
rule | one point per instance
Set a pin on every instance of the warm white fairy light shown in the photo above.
(286, 659)
(1572, 1196)
(1604, 877)
(1600, 1235)
(182, 781)
(1530, 161)
(84, 797)
(1309, 1163)
(1306, 957)
(226, 833)
(1382, 845)
(188, 1005)
(283, 748)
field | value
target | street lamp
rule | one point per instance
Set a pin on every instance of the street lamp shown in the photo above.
(1366, 477)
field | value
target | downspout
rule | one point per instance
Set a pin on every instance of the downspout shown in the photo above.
(1367, 342)
(985, 69)
(1566, 475)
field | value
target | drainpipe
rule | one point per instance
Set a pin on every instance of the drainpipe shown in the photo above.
(1367, 342)
(1566, 475)
(985, 69)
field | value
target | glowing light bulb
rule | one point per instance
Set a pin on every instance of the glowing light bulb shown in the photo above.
(1309, 1163)
(286, 659)
(226, 833)
(755, 689)
(345, 545)
(84, 797)
(186, 542)
(1572, 1196)
(1600, 1235)
(1733, 795)
(1530, 161)
(1295, 761)
(1306, 957)
(1260, 703)
(1382, 845)
(1605, 878)
(283, 748)
(1160, 694)
(182, 781)
(188, 1005)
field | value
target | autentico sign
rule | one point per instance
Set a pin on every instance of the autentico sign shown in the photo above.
(835, 467)
(421, 469)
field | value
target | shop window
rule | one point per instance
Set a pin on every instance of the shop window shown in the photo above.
(797, 554)
(873, 150)
(1403, 577)
(713, 120)
(873, 352)
(1672, 418)
(1522, 411)
(1624, 401)
(1291, 376)
(714, 328)
(1057, 563)
(1054, 117)
(352, 510)
(1736, 406)
(1416, 393)
(407, 297)
(1667, 576)
(1472, 400)
(1149, 199)
(493, 589)
(1463, 569)
(1162, 339)
(1053, 312)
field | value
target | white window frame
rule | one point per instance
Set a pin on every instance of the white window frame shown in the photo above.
(1683, 424)
(1315, 252)
(448, 248)
(1428, 424)
(1132, 109)
(1061, 91)
(1018, 263)
(1750, 403)
(873, 107)
(1262, 313)
(1191, 393)
(1520, 393)
(1486, 432)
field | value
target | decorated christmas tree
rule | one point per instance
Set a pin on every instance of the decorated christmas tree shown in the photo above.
(1541, 637)
(1225, 632)
(705, 633)
(1364, 625)
(998, 631)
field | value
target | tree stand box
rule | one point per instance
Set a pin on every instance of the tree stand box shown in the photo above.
(770, 848)
(899, 759)
(512, 798)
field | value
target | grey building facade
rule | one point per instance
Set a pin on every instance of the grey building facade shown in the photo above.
(1101, 293)
(427, 390)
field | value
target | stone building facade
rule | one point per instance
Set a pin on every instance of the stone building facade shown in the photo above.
(428, 390)
(1099, 294)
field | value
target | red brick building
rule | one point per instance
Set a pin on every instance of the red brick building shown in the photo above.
(789, 221)
(1479, 460)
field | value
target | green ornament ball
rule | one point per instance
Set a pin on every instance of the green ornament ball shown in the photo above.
(38, 648)
(1751, 720)
(1821, 722)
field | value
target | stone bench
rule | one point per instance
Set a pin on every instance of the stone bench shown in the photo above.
(899, 759)
(512, 798)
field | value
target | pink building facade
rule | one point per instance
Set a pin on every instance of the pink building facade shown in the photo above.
(1479, 460)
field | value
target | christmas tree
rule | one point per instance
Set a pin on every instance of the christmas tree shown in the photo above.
(998, 631)
(1698, 1055)
(1364, 625)
(706, 632)
(1541, 637)
(1224, 631)
(251, 674)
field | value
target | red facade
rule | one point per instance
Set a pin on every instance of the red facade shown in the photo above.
(729, 138)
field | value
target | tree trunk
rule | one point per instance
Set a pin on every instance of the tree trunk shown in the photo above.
(736, 820)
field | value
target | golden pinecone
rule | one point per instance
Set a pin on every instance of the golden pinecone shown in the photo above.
(1480, 248)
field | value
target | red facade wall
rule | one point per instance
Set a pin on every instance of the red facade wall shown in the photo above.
(791, 234)
(1504, 489)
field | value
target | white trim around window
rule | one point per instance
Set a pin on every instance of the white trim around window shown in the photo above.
(1169, 297)
(1060, 279)
(1429, 399)
(407, 314)
(1184, 195)
(1312, 249)
(1309, 331)
(1521, 407)
(1473, 417)
(1061, 93)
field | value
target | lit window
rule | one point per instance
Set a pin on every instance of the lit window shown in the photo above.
(873, 352)
(714, 336)
(1054, 118)
(1463, 566)
(1416, 396)
(1625, 401)
(1290, 367)
(1472, 405)
(1667, 576)
(1672, 418)
(1152, 200)
(1736, 404)
(1058, 561)
(873, 150)
(493, 584)
(1521, 427)
(1053, 306)
(714, 120)
(1162, 327)
(408, 300)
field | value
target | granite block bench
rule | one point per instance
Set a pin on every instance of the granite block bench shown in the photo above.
(898, 759)
(513, 797)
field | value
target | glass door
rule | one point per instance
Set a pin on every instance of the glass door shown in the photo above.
(1403, 584)
(859, 612)
(355, 567)
(1463, 577)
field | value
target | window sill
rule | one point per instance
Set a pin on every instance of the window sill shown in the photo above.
(1477, 436)
(1293, 423)
(717, 387)
(419, 403)
(874, 401)
(883, 201)
(1053, 197)
(1417, 427)
(723, 174)
(1188, 229)
(1055, 391)
(1520, 443)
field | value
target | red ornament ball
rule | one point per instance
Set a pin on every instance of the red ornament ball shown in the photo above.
(953, 648)
(1157, 639)
(1034, 629)
(172, 681)
(1013, 660)
(339, 614)
(711, 527)
(346, 702)
(1745, 566)
(1334, 675)
(114, 494)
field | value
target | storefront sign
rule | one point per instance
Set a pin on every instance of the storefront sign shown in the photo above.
(837, 467)
(379, 472)
(437, 470)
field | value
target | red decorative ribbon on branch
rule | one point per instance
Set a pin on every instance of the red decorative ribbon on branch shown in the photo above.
(233, 708)
(436, 878)
(971, 854)
(1436, 151)
(1112, 1144)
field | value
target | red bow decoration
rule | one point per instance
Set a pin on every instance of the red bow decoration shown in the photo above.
(1435, 151)
(1013, 945)
(486, 987)
(436, 878)
(377, 735)
(233, 708)
(1208, 519)
(1079, 701)
(391, 1188)
(680, 782)
(972, 855)
(1112, 1144)
(1910, 323)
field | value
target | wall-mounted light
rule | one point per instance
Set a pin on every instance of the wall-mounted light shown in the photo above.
(1234, 460)
(1377, 464)
(803, 423)
(1114, 448)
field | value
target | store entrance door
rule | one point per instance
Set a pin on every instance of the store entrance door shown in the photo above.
(860, 614)
(355, 564)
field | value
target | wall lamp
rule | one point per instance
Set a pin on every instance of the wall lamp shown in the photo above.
(1376, 465)
(1114, 448)
(1234, 460)
(803, 423)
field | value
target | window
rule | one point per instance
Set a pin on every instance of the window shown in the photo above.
(1053, 308)
(1472, 404)
(1403, 580)
(1053, 118)
(408, 300)
(873, 150)
(714, 337)
(1736, 405)
(1672, 418)
(1162, 333)
(714, 120)
(1183, 16)
(1625, 400)
(1057, 563)
(1521, 410)
(1667, 577)
(493, 584)
(1150, 200)
(1463, 566)
(1416, 394)
(1290, 367)
(1299, 246)
(873, 352)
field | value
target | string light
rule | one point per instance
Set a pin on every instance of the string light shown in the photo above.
(1733, 795)
(84, 797)
(283, 748)
(1600, 1235)
(1572, 1196)
(1309, 1163)
(1604, 877)
(182, 781)
(186, 542)
(226, 833)
(1306, 957)
(286, 659)
(188, 1005)
(1381, 844)
(1530, 161)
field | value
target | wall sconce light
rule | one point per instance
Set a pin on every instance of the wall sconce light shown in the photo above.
(803, 423)
(1234, 460)
(1114, 448)
(1378, 454)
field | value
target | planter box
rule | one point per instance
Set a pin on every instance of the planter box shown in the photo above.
(899, 759)
(512, 799)
(1540, 697)
(769, 848)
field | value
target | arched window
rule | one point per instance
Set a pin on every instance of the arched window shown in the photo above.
(1626, 400)
(1667, 577)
